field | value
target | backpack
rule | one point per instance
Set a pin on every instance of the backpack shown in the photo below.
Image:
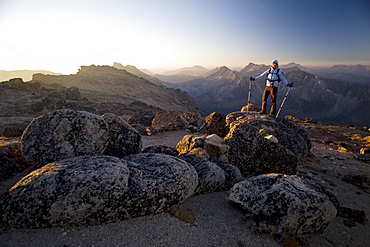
(277, 73)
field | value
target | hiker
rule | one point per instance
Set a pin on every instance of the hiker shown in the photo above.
(274, 76)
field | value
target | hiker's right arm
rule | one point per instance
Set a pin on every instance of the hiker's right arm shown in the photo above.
(264, 74)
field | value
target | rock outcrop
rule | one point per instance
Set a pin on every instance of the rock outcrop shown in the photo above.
(283, 204)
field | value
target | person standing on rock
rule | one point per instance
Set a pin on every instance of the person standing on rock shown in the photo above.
(274, 76)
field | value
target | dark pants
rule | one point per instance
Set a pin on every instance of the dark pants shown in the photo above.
(273, 91)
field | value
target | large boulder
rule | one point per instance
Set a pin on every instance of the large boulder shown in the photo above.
(157, 181)
(253, 154)
(12, 160)
(77, 191)
(167, 121)
(289, 134)
(283, 204)
(63, 134)
(123, 139)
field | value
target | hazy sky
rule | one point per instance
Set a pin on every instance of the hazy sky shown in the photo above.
(165, 34)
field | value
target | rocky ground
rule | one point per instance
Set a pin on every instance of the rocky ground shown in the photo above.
(218, 222)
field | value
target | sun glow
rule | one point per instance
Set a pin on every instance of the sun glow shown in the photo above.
(66, 43)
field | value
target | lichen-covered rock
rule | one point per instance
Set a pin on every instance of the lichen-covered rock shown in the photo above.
(12, 160)
(123, 139)
(289, 134)
(232, 173)
(161, 149)
(215, 124)
(167, 121)
(157, 181)
(283, 204)
(255, 155)
(78, 191)
(63, 134)
(211, 177)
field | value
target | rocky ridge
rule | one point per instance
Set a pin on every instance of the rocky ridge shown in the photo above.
(304, 163)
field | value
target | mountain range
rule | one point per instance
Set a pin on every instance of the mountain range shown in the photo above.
(315, 95)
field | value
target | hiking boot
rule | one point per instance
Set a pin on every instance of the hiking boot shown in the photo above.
(272, 115)
(262, 112)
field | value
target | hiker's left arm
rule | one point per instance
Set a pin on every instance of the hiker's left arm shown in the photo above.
(282, 77)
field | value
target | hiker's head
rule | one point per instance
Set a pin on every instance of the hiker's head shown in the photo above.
(275, 63)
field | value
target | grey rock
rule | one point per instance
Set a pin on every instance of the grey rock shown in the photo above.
(12, 160)
(142, 117)
(288, 133)
(83, 190)
(160, 149)
(215, 124)
(255, 155)
(167, 121)
(251, 107)
(232, 173)
(194, 119)
(200, 152)
(283, 204)
(157, 181)
(14, 129)
(123, 139)
(211, 177)
(141, 129)
(189, 142)
(63, 134)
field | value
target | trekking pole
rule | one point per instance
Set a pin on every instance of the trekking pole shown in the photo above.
(282, 103)
(249, 91)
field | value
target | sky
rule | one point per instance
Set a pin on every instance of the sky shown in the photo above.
(160, 35)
